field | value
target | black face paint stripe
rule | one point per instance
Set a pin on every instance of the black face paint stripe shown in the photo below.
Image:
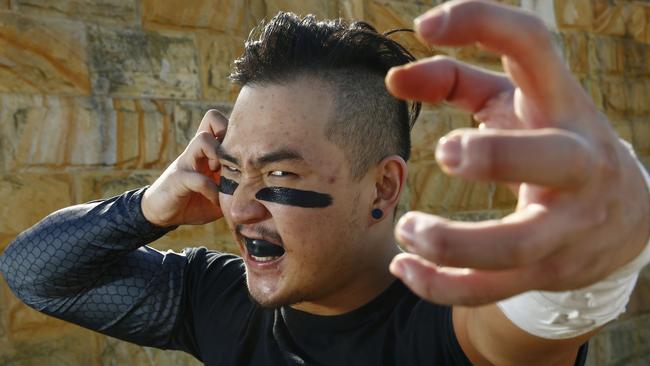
(294, 197)
(227, 186)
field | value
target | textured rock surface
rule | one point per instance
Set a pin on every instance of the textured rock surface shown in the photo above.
(27, 197)
(98, 96)
(223, 16)
(134, 63)
(122, 12)
(52, 131)
(42, 55)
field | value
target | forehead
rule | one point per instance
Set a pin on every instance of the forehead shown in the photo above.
(291, 116)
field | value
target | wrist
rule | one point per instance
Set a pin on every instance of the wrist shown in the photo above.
(568, 314)
(147, 212)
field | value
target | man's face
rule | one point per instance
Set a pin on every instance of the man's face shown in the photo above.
(288, 186)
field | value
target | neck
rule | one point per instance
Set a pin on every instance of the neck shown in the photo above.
(373, 279)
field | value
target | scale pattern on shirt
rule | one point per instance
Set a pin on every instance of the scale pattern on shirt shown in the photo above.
(88, 264)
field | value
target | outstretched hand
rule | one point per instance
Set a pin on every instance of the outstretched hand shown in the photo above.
(187, 191)
(583, 209)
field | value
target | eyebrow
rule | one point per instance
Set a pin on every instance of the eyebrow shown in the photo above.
(282, 154)
(224, 155)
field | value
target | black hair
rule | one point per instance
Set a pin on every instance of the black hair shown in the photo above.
(369, 123)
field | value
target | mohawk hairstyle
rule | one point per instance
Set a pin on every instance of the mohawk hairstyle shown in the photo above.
(353, 58)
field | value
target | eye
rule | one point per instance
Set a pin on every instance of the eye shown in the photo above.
(231, 169)
(280, 173)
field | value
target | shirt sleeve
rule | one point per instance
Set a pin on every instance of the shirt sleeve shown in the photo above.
(88, 264)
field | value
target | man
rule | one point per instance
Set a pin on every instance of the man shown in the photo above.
(307, 173)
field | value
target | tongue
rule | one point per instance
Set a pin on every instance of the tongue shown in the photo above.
(263, 248)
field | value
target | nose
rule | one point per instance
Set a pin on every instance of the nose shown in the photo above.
(244, 208)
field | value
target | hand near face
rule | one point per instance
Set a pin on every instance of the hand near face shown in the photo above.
(583, 208)
(187, 191)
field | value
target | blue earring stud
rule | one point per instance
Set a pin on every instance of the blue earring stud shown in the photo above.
(377, 213)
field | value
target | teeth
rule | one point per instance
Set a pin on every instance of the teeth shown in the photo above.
(262, 248)
(263, 259)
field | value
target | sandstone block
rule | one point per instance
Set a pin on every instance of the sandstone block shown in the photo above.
(142, 132)
(59, 351)
(48, 131)
(641, 135)
(640, 299)
(609, 19)
(320, 8)
(594, 88)
(28, 337)
(433, 124)
(5, 239)
(352, 9)
(5, 5)
(187, 117)
(53, 131)
(574, 14)
(639, 23)
(615, 96)
(575, 48)
(29, 197)
(108, 11)
(115, 352)
(129, 62)
(233, 17)
(433, 191)
(626, 95)
(606, 55)
(217, 53)
(42, 56)
(428, 129)
(23, 323)
(623, 342)
(638, 103)
(636, 58)
(617, 56)
(388, 15)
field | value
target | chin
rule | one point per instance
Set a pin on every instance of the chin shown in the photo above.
(270, 296)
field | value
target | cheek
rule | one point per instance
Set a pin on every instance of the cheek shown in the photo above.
(312, 232)
(225, 201)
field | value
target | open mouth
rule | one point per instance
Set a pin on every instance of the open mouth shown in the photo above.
(263, 251)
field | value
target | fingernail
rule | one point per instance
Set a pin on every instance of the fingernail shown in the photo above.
(449, 151)
(430, 24)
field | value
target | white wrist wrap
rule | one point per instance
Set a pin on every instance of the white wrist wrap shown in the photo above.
(568, 314)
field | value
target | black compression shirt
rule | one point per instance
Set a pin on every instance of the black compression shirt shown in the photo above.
(88, 264)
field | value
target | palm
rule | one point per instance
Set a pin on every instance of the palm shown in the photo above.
(187, 191)
(198, 209)
(546, 139)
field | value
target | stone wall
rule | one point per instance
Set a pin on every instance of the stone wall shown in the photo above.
(98, 96)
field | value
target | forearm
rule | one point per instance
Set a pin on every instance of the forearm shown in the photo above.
(86, 264)
(69, 248)
(489, 338)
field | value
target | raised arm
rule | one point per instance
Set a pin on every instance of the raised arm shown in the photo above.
(582, 220)
(89, 264)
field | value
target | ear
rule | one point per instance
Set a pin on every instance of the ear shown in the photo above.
(389, 182)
